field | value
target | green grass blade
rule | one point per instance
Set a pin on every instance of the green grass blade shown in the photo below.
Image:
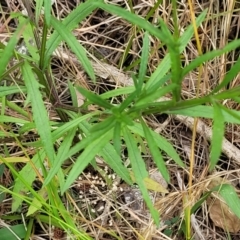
(174, 51)
(61, 155)
(210, 55)
(27, 170)
(17, 108)
(108, 153)
(113, 159)
(28, 37)
(69, 125)
(165, 64)
(39, 111)
(127, 101)
(152, 96)
(199, 203)
(73, 94)
(144, 61)
(94, 98)
(230, 116)
(230, 196)
(157, 156)
(72, 20)
(13, 120)
(106, 125)
(4, 91)
(131, 17)
(75, 46)
(86, 157)
(85, 141)
(230, 93)
(233, 72)
(47, 11)
(157, 78)
(118, 92)
(117, 138)
(230, 113)
(139, 170)
(217, 136)
(9, 49)
(162, 143)
(38, 9)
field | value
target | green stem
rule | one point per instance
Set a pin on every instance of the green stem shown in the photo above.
(29, 229)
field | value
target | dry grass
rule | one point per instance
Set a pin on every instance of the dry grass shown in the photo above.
(99, 209)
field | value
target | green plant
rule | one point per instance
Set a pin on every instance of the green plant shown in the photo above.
(119, 123)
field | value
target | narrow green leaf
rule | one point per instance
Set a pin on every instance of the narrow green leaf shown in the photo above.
(157, 156)
(167, 37)
(108, 153)
(75, 46)
(130, 17)
(158, 75)
(36, 205)
(230, 196)
(90, 137)
(230, 93)
(176, 70)
(144, 60)
(106, 125)
(198, 204)
(118, 92)
(162, 143)
(128, 47)
(134, 32)
(4, 91)
(217, 136)
(139, 170)
(61, 155)
(29, 42)
(94, 98)
(210, 55)
(17, 108)
(135, 83)
(2, 167)
(72, 20)
(233, 72)
(117, 138)
(86, 157)
(24, 197)
(39, 111)
(73, 94)
(230, 115)
(160, 83)
(113, 159)
(165, 64)
(59, 132)
(13, 120)
(47, 11)
(174, 52)
(127, 101)
(9, 49)
(38, 9)
(154, 95)
(27, 170)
